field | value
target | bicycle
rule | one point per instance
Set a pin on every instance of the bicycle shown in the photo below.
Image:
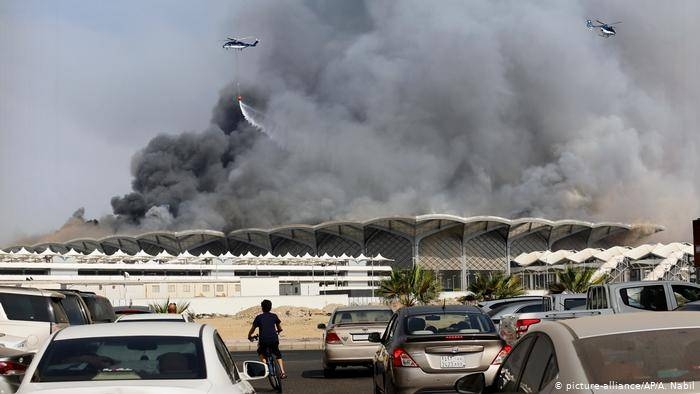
(273, 368)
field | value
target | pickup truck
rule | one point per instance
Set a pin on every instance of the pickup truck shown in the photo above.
(608, 299)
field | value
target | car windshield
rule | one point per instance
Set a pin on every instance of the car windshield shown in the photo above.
(122, 358)
(362, 316)
(639, 357)
(100, 309)
(449, 323)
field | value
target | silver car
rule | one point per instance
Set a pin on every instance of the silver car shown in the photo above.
(649, 352)
(426, 349)
(345, 338)
(516, 307)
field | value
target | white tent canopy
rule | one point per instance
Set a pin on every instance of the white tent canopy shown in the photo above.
(96, 254)
(207, 255)
(120, 255)
(163, 255)
(142, 255)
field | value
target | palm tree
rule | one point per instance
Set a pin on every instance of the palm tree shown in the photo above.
(575, 280)
(409, 287)
(496, 286)
(163, 306)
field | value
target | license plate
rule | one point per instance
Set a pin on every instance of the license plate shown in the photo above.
(360, 337)
(452, 362)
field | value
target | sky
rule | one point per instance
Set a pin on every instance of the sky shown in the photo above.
(506, 108)
(83, 86)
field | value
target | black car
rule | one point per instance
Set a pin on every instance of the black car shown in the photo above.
(13, 363)
(101, 309)
(76, 309)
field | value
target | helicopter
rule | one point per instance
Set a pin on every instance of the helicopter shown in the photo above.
(606, 29)
(238, 43)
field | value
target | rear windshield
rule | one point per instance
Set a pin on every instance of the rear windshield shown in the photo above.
(449, 323)
(573, 303)
(32, 308)
(122, 358)
(638, 357)
(100, 309)
(362, 316)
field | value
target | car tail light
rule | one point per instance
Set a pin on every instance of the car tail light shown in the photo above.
(522, 325)
(11, 368)
(501, 355)
(452, 337)
(402, 359)
(332, 338)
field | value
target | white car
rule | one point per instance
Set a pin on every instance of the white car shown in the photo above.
(161, 317)
(12, 342)
(142, 358)
(32, 314)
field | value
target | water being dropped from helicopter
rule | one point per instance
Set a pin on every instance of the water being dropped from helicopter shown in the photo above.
(252, 115)
(257, 119)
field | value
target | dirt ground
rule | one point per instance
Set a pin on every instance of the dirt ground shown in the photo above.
(297, 323)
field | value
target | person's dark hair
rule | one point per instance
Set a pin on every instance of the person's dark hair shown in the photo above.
(266, 305)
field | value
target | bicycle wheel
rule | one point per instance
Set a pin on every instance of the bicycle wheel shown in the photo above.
(274, 376)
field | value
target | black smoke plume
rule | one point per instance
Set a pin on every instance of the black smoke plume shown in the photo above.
(501, 108)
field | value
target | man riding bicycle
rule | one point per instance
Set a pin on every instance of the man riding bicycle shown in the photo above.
(269, 326)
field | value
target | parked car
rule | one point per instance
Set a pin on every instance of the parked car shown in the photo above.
(611, 298)
(100, 307)
(487, 306)
(13, 364)
(31, 313)
(138, 358)
(161, 317)
(346, 337)
(513, 307)
(427, 348)
(658, 351)
(13, 341)
(132, 310)
(77, 311)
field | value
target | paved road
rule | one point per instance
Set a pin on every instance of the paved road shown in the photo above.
(306, 375)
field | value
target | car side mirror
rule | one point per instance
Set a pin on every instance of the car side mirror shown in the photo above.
(254, 370)
(374, 337)
(471, 384)
(321, 326)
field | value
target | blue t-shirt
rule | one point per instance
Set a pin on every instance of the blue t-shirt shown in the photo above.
(267, 322)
